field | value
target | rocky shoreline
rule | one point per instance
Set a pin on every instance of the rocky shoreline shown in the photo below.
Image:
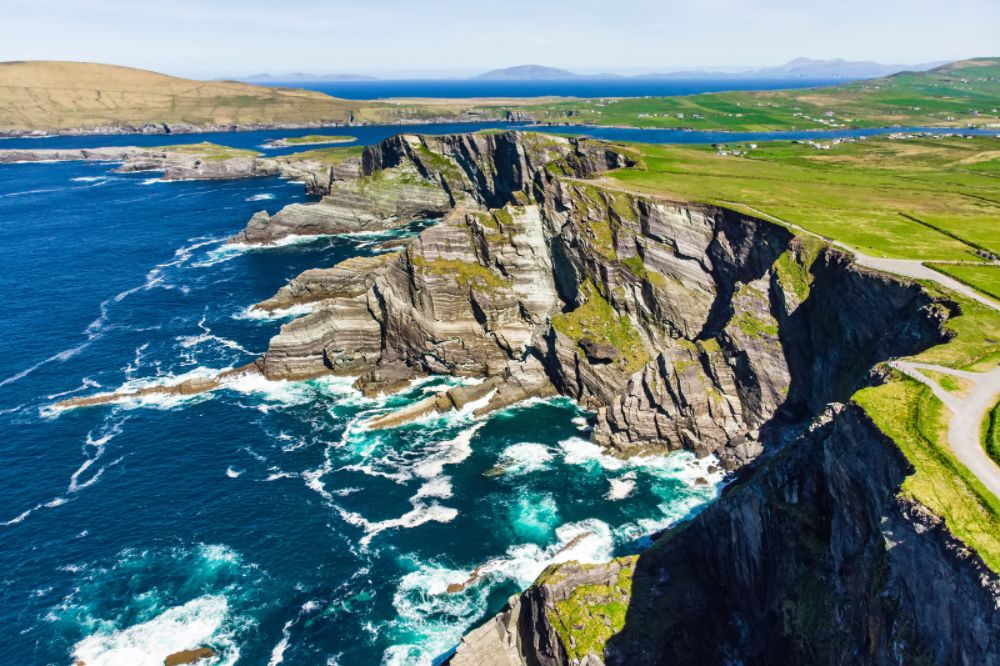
(484, 115)
(684, 326)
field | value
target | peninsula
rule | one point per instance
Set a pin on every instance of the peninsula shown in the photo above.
(43, 97)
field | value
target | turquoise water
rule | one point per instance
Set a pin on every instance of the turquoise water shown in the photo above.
(263, 520)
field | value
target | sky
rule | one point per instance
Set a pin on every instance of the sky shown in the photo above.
(400, 38)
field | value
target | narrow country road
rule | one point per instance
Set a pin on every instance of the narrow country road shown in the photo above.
(968, 412)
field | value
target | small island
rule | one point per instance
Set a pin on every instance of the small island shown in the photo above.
(309, 140)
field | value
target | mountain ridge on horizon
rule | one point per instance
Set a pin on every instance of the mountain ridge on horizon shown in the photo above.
(797, 68)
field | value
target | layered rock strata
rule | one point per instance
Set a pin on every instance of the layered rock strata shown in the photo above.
(817, 559)
(683, 326)
(182, 164)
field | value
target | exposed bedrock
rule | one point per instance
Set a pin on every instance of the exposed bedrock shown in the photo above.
(184, 164)
(817, 559)
(407, 178)
(684, 326)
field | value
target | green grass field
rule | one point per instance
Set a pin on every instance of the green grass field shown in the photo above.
(318, 138)
(927, 199)
(985, 278)
(211, 152)
(991, 433)
(956, 95)
(330, 156)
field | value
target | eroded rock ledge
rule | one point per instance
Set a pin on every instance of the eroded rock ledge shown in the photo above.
(684, 326)
(816, 559)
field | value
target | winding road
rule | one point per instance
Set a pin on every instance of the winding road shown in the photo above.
(968, 411)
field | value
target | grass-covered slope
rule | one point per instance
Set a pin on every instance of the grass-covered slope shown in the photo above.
(54, 96)
(955, 95)
(927, 199)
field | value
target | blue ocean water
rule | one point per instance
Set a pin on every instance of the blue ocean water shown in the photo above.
(263, 520)
(614, 87)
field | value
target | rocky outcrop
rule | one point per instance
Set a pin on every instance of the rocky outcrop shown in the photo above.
(407, 178)
(684, 326)
(205, 162)
(817, 559)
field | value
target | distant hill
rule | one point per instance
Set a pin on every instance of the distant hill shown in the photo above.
(303, 77)
(959, 95)
(55, 96)
(802, 68)
(527, 73)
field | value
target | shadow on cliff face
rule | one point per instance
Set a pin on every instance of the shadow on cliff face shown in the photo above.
(816, 560)
(815, 557)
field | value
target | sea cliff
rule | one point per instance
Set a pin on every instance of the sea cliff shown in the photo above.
(683, 326)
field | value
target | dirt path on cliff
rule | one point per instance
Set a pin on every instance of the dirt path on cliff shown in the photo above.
(968, 413)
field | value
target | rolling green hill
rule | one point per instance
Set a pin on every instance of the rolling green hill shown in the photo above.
(59, 96)
(960, 94)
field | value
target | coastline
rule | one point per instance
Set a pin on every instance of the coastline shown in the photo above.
(528, 124)
(169, 129)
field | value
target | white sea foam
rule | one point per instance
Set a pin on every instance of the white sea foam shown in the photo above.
(233, 473)
(448, 452)
(255, 313)
(196, 623)
(278, 653)
(439, 487)
(420, 513)
(525, 458)
(206, 335)
(621, 487)
(260, 197)
(153, 181)
(89, 179)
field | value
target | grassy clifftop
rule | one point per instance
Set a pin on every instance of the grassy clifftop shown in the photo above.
(955, 95)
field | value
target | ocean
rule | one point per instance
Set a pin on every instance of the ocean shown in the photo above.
(591, 88)
(264, 520)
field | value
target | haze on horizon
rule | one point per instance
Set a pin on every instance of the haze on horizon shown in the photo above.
(389, 38)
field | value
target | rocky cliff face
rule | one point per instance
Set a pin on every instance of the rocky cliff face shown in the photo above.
(817, 559)
(407, 178)
(683, 326)
(197, 162)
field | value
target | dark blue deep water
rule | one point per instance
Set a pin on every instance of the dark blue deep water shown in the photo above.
(262, 520)
(615, 87)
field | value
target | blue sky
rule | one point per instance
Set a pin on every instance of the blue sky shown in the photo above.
(228, 37)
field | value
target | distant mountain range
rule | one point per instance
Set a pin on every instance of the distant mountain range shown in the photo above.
(534, 73)
(298, 77)
(800, 68)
